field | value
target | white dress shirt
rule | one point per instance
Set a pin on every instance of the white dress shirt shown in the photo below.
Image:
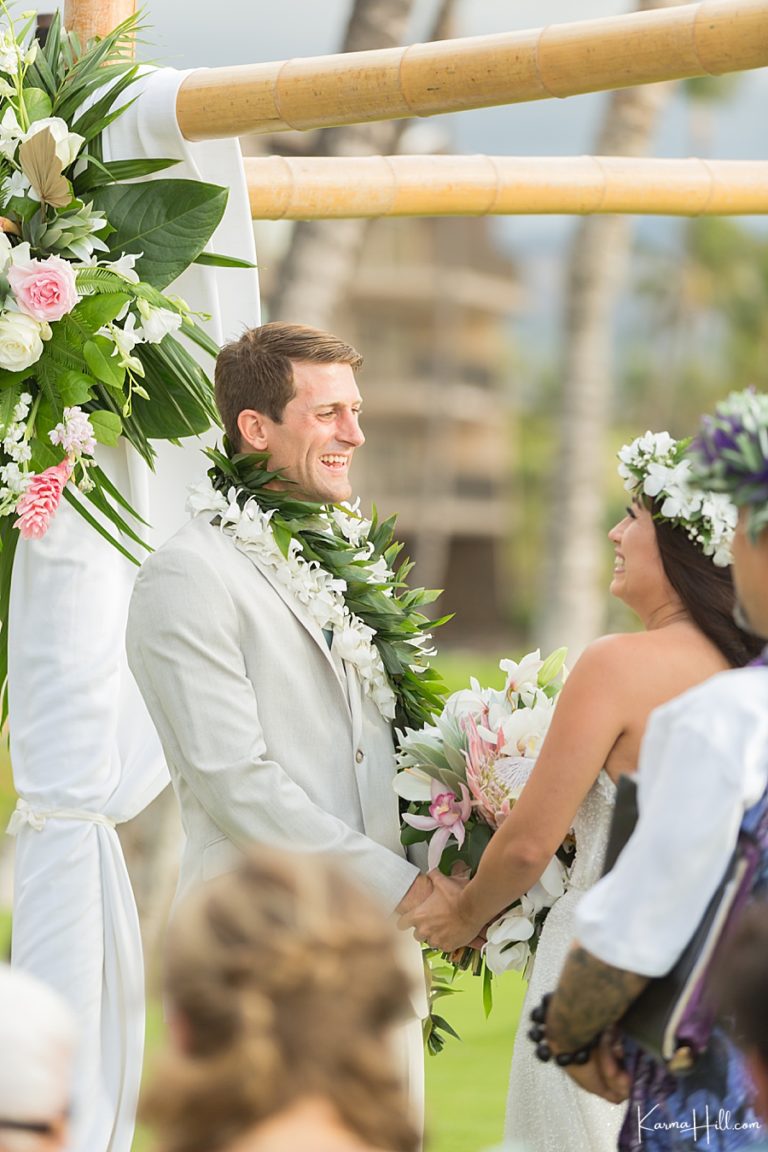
(703, 763)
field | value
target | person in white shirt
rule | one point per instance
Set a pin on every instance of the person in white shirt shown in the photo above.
(703, 764)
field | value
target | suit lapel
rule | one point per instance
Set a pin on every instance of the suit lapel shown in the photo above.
(303, 617)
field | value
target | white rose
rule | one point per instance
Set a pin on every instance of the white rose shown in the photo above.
(67, 143)
(21, 341)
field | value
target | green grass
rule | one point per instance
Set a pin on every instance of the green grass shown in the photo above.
(467, 1083)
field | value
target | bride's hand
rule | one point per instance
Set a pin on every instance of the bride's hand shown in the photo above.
(439, 920)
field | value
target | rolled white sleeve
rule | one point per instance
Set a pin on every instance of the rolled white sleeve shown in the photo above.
(704, 761)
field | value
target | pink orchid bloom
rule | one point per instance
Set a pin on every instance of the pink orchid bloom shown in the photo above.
(447, 817)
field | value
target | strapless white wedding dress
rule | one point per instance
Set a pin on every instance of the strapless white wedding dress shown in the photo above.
(546, 1110)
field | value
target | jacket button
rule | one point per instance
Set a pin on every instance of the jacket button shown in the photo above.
(359, 756)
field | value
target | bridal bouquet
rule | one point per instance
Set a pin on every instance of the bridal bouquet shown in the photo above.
(88, 339)
(462, 775)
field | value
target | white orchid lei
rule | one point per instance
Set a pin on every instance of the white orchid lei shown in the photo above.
(659, 467)
(340, 568)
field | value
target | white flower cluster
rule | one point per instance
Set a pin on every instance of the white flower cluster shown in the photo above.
(355, 528)
(320, 594)
(13, 56)
(74, 434)
(13, 478)
(655, 465)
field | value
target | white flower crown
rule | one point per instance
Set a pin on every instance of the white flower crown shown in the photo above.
(657, 466)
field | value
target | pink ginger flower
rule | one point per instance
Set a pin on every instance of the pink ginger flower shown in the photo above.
(41, 499)
(447, 817)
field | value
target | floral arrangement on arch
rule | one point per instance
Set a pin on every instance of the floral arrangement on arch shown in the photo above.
(460, 777)
(89, 348)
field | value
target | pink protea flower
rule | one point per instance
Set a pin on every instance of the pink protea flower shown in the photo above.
(495, 777)
(447, 817)
(41, 499)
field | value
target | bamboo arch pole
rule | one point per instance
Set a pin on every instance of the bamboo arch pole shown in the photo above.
(322, 188)
(95, 17)
(711, 37)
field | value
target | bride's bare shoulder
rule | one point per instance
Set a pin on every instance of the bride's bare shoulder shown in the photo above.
(615, 659)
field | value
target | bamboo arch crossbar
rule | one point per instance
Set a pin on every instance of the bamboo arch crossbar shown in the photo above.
(711, 37)
(313, 188)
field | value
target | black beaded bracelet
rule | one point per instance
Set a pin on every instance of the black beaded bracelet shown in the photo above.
(538, 1034)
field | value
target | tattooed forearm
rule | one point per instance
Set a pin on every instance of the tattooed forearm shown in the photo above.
(590, 996)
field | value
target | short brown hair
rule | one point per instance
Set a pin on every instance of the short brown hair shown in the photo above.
(288, 982)
(256, 371)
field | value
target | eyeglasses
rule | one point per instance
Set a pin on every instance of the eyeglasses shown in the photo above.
(40, 1128)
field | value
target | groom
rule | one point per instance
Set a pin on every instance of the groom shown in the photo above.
(268, 736)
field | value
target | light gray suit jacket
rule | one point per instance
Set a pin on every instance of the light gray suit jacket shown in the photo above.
(268, 737)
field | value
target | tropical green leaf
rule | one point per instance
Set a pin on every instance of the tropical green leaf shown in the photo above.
(37, 104)
(104, 366)
(9, 379)
(213, 260)
(9, 398)
(198, 336)
(101, 280)
(107, 426)
(114, 493)
(103, 111)
(487, 990)
(99, 173)
(167, 223)
(95, 311)
(180, 394)
(9, 538)
(75, 388)
(99, 527)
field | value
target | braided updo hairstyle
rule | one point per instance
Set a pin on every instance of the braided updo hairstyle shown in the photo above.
(287, 984)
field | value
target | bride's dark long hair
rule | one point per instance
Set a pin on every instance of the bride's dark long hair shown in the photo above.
(707, 593)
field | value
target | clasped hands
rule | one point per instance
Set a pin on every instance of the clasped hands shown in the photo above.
(438, 919)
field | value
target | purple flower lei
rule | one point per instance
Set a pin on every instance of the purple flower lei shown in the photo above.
(730, 454)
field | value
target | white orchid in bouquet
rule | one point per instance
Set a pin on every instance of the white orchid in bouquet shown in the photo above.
(88, 340)
(462, 775)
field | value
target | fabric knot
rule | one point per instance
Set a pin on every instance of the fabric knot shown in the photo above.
(24, 813)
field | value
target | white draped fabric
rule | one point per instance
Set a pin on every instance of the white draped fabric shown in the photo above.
(85, 756)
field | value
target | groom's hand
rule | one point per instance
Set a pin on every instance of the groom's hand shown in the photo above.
(418, 892)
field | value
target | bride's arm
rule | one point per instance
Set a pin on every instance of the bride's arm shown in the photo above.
(592, 712)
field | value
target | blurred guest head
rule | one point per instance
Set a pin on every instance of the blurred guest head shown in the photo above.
(285, 987)
(37, 1044)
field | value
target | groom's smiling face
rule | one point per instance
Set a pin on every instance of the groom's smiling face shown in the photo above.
(314, 442)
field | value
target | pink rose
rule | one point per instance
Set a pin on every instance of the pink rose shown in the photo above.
(44, 289)
(40, 500)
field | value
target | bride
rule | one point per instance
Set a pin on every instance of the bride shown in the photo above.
(671, 569)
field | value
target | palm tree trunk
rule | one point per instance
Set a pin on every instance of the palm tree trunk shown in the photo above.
(573, 607)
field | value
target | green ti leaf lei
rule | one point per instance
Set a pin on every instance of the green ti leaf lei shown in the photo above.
(388, 605)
